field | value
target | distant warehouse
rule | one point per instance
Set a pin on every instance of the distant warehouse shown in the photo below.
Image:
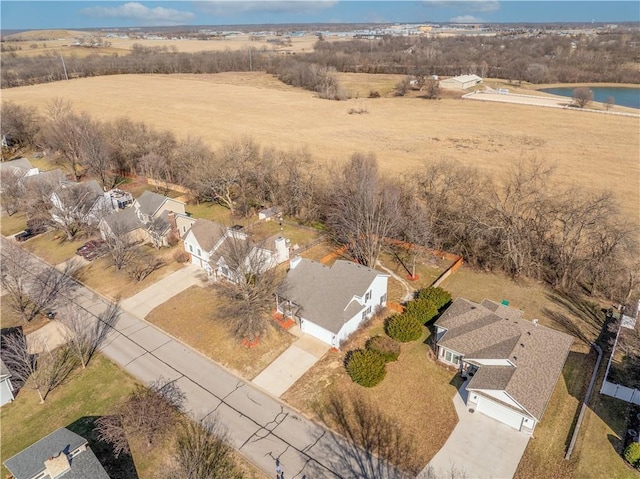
(461, 82)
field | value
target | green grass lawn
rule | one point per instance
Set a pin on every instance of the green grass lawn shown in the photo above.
(215, 212)
(92, 392)
(191, 317)
(10, 225)
(53, 247)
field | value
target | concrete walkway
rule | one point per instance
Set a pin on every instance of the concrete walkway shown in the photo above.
(146, 300)
(479, 447)
(287, 368)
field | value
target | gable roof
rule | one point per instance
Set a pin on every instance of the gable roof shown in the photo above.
(207, 233)
(124, 221)
(84, 194)
(150, 202)
(20, 166)
(466, 78)
(537, 353)
(324, 294)
(53, 177)
(30, 461)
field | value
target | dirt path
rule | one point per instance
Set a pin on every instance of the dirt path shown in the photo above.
(409, 290)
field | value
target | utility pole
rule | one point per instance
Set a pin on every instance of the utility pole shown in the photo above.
(250, 64)
(64, 66)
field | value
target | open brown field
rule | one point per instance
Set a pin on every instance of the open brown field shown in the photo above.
(591, 150)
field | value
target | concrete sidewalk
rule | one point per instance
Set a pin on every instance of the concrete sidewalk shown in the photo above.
(479, 447)
(146, 300)
(287, 368)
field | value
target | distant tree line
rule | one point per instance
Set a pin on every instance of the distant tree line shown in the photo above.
(606, 57)
(526, 224)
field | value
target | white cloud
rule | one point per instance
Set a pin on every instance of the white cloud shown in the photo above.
(482, 6)
(466, 19)
(143, 14)
(263, 6)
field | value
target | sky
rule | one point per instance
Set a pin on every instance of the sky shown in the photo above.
(27, 14)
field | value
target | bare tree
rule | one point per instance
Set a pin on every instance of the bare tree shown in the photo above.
(203, 451)
(122, 247)
(365, 426)
(40, 369)
(582, 96)
(86, 332)
(32, 289)
(96, 155)
(147, 413)
(20, 122)
(11, 192)
(402, 86)
(432, 88)
(363, 210)
(64, 132)
(142, 265)
(77, 209)
(609, 103)
(251, 290)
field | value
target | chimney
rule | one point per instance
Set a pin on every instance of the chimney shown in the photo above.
(295, 261)
(56, 466)
(282, 250)
(535, 322)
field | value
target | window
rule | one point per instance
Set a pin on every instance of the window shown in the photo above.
(383, 299)
(369, 310)
(364, 314)
(199, 252)
(452, 358)
(191, 248)
(184, 229)
(367, 296)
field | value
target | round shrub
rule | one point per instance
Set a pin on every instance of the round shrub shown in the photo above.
(423, 310)
(403, 327)
(632, 454)
(438, 296)
(366, 367)
(385, 346)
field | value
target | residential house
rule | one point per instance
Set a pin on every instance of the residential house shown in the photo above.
(461, 82)
(215, 248)
(20, 168)
(6, 388)
(267, 214)
(513, 364)
(150, 218)
(61, 454)
(84, 203)
(330, 302)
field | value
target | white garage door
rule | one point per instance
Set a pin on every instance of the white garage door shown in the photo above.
(501, 413)
(316, 331)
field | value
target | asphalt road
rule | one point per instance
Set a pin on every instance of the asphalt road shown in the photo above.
(259, 426)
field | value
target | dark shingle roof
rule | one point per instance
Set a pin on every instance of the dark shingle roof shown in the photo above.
(30, 461)
(324, 294)
(150, 202)
(499, 332)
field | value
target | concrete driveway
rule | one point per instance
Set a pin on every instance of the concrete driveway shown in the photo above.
(47, 338)
(287, 368)
(479, 447)
(146, 300)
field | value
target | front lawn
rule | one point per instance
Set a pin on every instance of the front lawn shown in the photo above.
(91, 392)
(101, 276)
(191, 316)
(10, 225)
(10, 318)
(416, 392)
(53, 247)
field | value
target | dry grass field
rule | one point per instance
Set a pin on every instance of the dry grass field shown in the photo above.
(590, 150)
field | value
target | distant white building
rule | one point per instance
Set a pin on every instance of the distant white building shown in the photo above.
(461, 82)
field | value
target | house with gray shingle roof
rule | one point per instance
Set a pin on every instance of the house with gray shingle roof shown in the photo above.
(512, 364)
(331, 302)
(218, 249)
(85, 203)
(150, 218)
(62, 454)
(20, 168)
(6, 388)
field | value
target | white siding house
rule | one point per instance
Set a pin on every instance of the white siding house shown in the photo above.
(330, 303)
(512, 365)
(6, 388)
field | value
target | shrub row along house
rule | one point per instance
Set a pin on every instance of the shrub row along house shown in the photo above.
(330, 302)
(512, 364)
